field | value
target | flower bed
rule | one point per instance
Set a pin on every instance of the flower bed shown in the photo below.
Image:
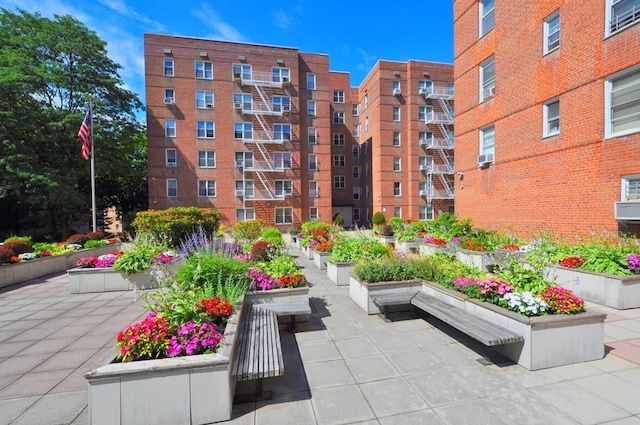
(549, 341)
(361, 292)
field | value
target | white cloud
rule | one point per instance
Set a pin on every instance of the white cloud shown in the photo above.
(282, 19)
(222, 30)
(367, 60)
(45, 7)
(122, 8)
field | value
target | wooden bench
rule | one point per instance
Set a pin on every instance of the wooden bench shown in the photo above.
(487, 333)
(384, 301)
(287, 309)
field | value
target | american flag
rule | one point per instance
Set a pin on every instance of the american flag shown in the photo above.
(84, 134)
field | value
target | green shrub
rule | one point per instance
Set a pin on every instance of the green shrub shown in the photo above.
(247, 231)
(272, 235)
(314, 225)
(95, 243)
(139, 258)
(171, 226)
(383, 270)
(338, 220)
(353, 248)
(280, 266)
(397, 224)
(378, 218)
(203, 269)
(25, 239)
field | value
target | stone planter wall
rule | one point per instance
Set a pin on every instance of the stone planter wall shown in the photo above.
(620, 292)
(475, 259)
(339, 273)
(12, 274)
(83, 281)
(386, 239)
(549, 341)
(183, 390)
(430, 249)
(320, 259)
(309, 253)
(361, 292)
(407, 246)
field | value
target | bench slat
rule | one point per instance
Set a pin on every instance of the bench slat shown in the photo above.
(286, 309)
(486, 332)
(393, 299)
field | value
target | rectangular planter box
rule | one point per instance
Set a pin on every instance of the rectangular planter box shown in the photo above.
(182, 390)
(479, 260)
(549, 341)
(309, 253)
(407, 246)
(83, 281)
(619, 292)
(320, 259)
(361, 292)
(386, 239)
(279, 296)
(339, 273)
(430, 249)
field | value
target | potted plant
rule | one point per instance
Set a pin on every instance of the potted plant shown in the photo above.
(349, 249)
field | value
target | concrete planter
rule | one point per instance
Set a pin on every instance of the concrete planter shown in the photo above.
(479, 260)
(182, 390)
(619, 292)
(320, 259)
(386, 239)
(309, 253)
(407, 246)
(83, 281)
(298, 244)
(339, 273)
(361, 292)
(549, 341)
(280, 296)
(430, 249)
(12, 274)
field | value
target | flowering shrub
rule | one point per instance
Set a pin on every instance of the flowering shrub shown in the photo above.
(105, 261)
(163, 258)
(467, 285)
(15, 259)
(571, 262)
(634, 263)
(434, 241)
(87, 262)
(510, 247)
(324, 246)
(490, 290)
(524, 303)
(146, 339)
(264, 251)
(95, 236)
(473, 245)
(217, 308)
(562, 300)
(292, 281)
(194, 338)
(261, 281)
(18, 247)
(77, 238)
(74, 246)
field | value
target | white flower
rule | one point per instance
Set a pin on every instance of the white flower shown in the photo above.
(27, 256)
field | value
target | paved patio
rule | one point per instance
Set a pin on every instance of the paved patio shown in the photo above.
(342, 367)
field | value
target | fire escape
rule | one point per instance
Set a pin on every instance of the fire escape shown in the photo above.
(441, 143)
(263, 97)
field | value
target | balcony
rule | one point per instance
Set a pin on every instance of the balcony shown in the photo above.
(445, 93)
(438, 118)
(266, 166)
(436, 168)
(262, 79)
(259, 136)
(257, 108)
(436, 143)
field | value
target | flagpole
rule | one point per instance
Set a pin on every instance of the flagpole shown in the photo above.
(93, 173)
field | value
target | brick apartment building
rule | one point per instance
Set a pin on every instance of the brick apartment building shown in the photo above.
(270, 132)
(548, 115)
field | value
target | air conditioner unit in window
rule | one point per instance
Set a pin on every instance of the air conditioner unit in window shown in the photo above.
(423, 91)
(169, 101)
(489, 92)
(236, 75)
(425, 167)
(424, 193)
(237, 106)
(285, 80)
(172, 165)
(485, 159)
(422, 142)
(209, 105)
(627, 211)
(239, 163)
(239, 192)
(396, 92)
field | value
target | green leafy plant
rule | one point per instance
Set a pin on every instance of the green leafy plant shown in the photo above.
(272, 235)
(353, 248)
(521, 277)
(338, 220)
(280, 266)
(383, 270)
(92, 243)
(201, 269)
(397, 224)
(139, 258)
(378, 218)
(171, 226)
(247, 231)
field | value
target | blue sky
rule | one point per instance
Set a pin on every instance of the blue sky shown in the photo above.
(354, 33)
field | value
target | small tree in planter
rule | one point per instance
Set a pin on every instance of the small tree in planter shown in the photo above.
(171, 226)
(378, 218)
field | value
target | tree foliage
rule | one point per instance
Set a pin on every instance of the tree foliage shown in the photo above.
(49, 70)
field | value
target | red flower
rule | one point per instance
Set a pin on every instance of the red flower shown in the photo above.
(571, 262)
(215, 307)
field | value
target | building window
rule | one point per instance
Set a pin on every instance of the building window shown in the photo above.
(205, 129)
(630, 188)
(282, 160)
(311, 108)
(284, 215)
(204, 99)
(245, 214)
(168, 67)
(551, 118)
(355, 152)
(206, 159)
(397, 189)
(425, 87)
(622, 103)
(171, 158)
(396, 113)
(425, 137)
(339, 161)
(338, 139)
(243, 130)
(242, 71)
(396, 163)
(244, 159)
(169, 96)
(339, 182)
(621, 14)
(170, 128)
(206, 188)
(366, 101)
(425, 113)
(356, 214)
(245, 188)
(397, 212)
(488, 140)
(355, 109)
(282, 132)
(425, 189)
(280, 75)
(551, 33)
(204, 70)
(313, 189)
(356, 130)
(172, 188)
(395, 85)
(313, 213)
(281, 103)
(312, 135)
(338, 117)
(487, 79)
(356, 172)
(338, 96)
(366, 124)
(313, 162)
(396, 139)
(425, 163)
(284, 188)
(243, 101)
(486, 14)
(425, 213)
(356, 193)
(311, 81)
(367, 194)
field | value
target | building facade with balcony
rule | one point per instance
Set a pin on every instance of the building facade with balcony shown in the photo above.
(548, 115)
(270, 132)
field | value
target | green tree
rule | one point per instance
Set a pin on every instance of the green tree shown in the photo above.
(49, 69)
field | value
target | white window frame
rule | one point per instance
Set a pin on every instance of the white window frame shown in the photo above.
(311, 108)
(205, 129)
(395, 85)
(339, 161)
(397, 164)
(247, 187)
(203, 70)
(283, 188)
(356, 172)
(396, 114)
(366, 124)
(487, 84)
(339, 139)
(313, 213)
(204, 99)
(169, 95)
(425, 161)
(246, 158)
(209, 187)
(245, 71)
(357, 193)
(427, 85)
(312, 135)
(396, 139)
(244, 130)
(397, 189)
(171, 157)
(314, 191)
(425, 213)
(397, 212)
(282, 132)
(206, 159)
(245, 214)
(283, 215)
(338, 96)
(551, 33)
(278, 74)
(486, 17)
(282, 160)
(311, 81)
(356, 130)
(244, 99)
(170, 128)
(338, 117)
(425, 112)
(366, 101)
(355, 109)
(626, 89)
(549, 129)
(168, 67)
(313, 162)
(630, 188)
(281, 103)
(172, 185)
(612, 28)
(339, 182)
(485, 136)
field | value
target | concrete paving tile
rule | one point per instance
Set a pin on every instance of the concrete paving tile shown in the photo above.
(612, 363)
(74, 382)
(428, 337)
(340, 405)
(6, 379)
(356, 347)
(414, 361)
(319, 352)
(630, 375)
(43, 314)
(22, 364)
(11, 409)
(346, 331)
(635, 342)
(242, 414)
(12, 335)
(48, 346)
(614, 390)
(76, 312)
(392, 397)
(371, 368)
(611, 330)
(629, 324)
(34, 384)
(65, 360)
(581, 405)
(576, 371)
(455, 354)
(35, 334)
(625, 350)
(82, 418)
(15, 316)
(469, 413)
(631, 420)
(310, 337)
(65, 305)
(525, 408)
(35, 306)
(58, 323)
(75, 330)
(531, 378)
(288, 409)
(411, 325)
(328, 374)
(422, 417)
(54, 409)
(392, 342)
(440, 387)
(485, 380)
